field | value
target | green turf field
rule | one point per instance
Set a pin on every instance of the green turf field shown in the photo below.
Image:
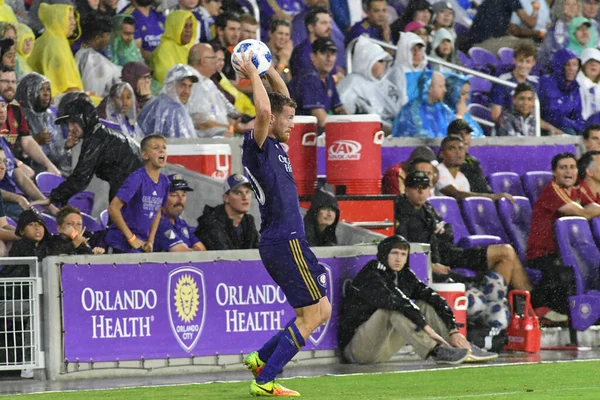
(573, 380)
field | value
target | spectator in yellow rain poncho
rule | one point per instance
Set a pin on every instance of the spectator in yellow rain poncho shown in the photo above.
(7, 14)
(180, 34)
(25, 43)
(52, 56)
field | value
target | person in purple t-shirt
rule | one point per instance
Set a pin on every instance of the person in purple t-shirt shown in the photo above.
(149, 25)
(135, 210)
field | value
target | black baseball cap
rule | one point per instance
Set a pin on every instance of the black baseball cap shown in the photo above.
(457, 126)
(417, 179)
(178, 183)
(323, 45)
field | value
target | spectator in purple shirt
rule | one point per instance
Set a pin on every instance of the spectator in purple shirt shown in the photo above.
(318, 25)
(315, 91)
(149, 25)
(174, 234)
(135, 210)
(376, 24)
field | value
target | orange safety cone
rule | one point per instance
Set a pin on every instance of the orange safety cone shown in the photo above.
(523, 332)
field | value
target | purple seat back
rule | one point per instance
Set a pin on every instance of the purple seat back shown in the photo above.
(506, 55)
(484, 60)
(508, 182)
(578, 250)
(595, 224)
(11, 221)
(460, 29)
(481, 111)
(534, 182)
(50, 223)
(104, 218)
(84, 201)
(90, 223)
(481, 217)
(464, 59)
(47, 181)
(480, 85)
(447, 207)
(516, 219)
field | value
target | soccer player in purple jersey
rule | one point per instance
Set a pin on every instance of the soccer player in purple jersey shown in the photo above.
(283, 248)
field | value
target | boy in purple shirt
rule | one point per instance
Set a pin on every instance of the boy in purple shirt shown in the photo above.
(149, 25)
(283, 247)
(135, 210)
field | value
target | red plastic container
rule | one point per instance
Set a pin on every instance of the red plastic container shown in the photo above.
(353, 153)
(524, 332)
(213, 160)
(302, 151)
(454, 293)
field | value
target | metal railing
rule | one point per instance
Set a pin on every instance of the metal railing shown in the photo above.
(20, 325)
(458, 68)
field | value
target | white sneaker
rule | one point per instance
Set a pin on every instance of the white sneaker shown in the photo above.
(27, 373)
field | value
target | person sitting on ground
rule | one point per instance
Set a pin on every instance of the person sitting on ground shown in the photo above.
(175, 44)
(387, 306)
(394, 176)
(135, 210)
(321, 220)
(365, 90)
(72, 238)
(419, 222)
(98, 73)
(589, 175)
(166, 113)
(561, 197)
(427, 116)
(519, 119)
(229, 226)
(119, 108)
(174, 234)
(452, 181)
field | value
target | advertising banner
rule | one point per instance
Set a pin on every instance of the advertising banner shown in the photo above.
(135, 311)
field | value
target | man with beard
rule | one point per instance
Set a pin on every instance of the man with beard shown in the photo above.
(16, 130)
(149, 25)
(174, 234)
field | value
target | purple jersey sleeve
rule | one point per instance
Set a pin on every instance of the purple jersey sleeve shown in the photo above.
(129, 187)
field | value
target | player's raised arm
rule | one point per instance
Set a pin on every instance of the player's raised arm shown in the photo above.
(261, 100)
(277, 83)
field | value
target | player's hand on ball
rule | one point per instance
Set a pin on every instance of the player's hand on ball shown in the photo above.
(244, 64)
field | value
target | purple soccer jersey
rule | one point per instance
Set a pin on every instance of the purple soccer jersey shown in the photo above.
(149, 28)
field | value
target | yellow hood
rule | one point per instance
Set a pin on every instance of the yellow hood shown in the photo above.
(170, 51)
(25, 32)
(55, 18)
(7, 14)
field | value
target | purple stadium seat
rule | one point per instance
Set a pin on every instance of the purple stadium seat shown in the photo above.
(484, 60)
(90, 223)
(534, 182)
(104, 218)
(480, 89)
(506, 55)
(11, 221)
(84, 201)
(578, 250)
(508, 182)
(460, 29)
(516, 219)
(448, 209)
(50, 223)
(464, 59)
(47, 181)
(480, 111)
(481, 218)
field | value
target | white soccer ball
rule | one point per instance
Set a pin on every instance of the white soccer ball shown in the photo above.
(261, 55)
(497, 314)
(495, 287)
(476, 303)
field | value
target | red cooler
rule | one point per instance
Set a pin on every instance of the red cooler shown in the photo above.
(213, 160)
(353, 147)
(454, 293)
(302, 151)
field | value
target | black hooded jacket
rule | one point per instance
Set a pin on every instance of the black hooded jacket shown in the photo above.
(109, 154)
(375, 287)
(321, 199)
(215, 229)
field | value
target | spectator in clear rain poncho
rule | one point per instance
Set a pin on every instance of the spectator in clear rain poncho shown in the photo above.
(98, 74)
(166, 113)
(365, 91)
(34, 94)
(121, 47)
(119, 107)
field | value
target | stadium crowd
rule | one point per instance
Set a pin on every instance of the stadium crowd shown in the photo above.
(123, 77)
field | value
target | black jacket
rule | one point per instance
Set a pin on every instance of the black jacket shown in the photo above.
(215, 229)
(109, 154)
(375, 287)
(321, 199)
(474, 174)
(418, 226)
(57, 245)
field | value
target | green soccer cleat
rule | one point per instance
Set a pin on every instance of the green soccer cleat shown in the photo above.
(253, 363)
(271, 389)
